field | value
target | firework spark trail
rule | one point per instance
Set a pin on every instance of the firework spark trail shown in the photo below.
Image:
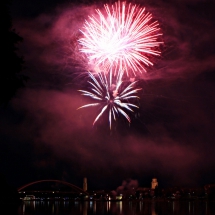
(122, 39)
(119, 41)
(111, 95)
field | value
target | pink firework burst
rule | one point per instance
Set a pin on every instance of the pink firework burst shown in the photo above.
(120, 40)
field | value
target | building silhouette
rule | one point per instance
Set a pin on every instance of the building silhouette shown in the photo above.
(154, 183)
(85, 184)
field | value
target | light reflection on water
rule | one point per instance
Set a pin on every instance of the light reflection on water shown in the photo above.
(117, 208)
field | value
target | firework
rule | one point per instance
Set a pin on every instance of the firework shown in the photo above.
(112, 96)
(121, 39)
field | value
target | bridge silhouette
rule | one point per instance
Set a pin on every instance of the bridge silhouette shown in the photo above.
(75, 189)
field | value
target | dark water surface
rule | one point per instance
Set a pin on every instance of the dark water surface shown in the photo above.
(152, 207)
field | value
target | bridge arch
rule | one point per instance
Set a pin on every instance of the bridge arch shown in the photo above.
(76, 188)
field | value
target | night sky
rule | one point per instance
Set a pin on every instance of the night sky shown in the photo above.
(172, 134)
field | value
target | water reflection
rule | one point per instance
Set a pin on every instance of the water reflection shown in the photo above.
(117, 208)
(153, 208)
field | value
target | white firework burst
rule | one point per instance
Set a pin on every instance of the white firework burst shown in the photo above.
(111, 95)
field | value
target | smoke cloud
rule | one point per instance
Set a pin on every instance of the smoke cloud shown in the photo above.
(170, 136)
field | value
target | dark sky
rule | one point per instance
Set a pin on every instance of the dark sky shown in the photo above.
(171, 136)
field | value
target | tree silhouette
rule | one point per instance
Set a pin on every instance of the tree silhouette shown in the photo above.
(11, 63)
(9, 195)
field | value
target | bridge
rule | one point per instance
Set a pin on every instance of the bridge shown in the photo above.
(59, 189)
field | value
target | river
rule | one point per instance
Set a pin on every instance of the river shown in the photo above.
(152, 207)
